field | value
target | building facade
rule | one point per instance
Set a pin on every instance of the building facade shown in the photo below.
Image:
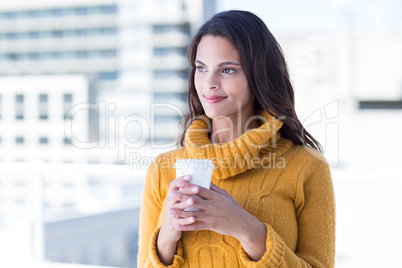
(132, 52)
(38, 118)
(84, 83)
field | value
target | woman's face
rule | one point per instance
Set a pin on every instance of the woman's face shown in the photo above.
(220, 80)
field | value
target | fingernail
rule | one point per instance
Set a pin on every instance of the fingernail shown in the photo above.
(187, 177)
(180, 184)
(191, 219)
(172, 194)
(189, 201)
(194, 189)
(179, 228)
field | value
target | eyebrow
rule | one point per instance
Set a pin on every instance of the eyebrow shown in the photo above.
(220, 64)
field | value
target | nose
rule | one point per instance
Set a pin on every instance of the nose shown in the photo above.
(212, 81)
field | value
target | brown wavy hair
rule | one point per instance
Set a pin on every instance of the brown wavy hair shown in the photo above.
(265, 67)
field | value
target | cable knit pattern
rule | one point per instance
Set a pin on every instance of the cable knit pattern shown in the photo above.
(250, 150)
(287, 187)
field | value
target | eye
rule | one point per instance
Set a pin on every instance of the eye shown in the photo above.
(200, 69)
(228, 71)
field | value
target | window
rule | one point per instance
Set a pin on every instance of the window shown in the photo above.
(164, 28)
(35, 13)
(14, 56)
(58, 12)
(107, 31)
(165, 74)
(68, 97)
(43, 106)
(68, 184)
(34, 56)
(92, 10)
(111, 9)
(167, 119)
(57, 55)
(108, 76)
(57, 34)
(68, 54)
(171, 96)
(68, 33)
(81, 54)
(161, 51)
(12, 36)
(384, 105)
(93, 32)
(43, 140)
(19, 183)
(19, 140)
(12, 15)
(81, 11)
(34, 35)
(81, 32)
(67, 141)
(167, 28)
(67, 103)
(110, 53)
(19, 107)
(20, 201)
(164, 51)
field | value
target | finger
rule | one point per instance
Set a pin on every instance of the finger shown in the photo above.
(189, 189)
(193, 201)
(205, 193)
(217, 189)
(184, 184)
(197, 225)
(179, 213)
(179, 195)
(184, 221)
(184, 204)
(175, 184)
(174, 188)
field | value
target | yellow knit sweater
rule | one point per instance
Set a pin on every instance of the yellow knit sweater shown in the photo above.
(287, 187)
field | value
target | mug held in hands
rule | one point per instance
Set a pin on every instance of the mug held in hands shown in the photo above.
(200, 171)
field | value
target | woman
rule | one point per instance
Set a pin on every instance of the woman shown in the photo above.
(271, 201)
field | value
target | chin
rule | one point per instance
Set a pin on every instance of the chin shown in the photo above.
(211, 114)
(215, 114)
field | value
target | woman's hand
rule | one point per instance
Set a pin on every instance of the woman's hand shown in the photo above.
(179, 197)
(219, 212)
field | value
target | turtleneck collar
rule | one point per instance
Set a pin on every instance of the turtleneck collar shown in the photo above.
(256, 148)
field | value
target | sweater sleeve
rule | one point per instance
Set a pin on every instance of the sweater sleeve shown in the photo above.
(315, 211)
(151, 207)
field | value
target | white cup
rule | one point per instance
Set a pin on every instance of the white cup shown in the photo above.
(200, 171)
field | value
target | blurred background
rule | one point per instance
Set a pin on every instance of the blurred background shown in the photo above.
(91, 91)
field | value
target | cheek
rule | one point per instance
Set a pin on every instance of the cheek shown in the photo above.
(242, 90)
(197, 84)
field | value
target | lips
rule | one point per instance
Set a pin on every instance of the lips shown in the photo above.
(214, 98)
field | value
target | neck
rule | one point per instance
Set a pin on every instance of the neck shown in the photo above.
(225, 129)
